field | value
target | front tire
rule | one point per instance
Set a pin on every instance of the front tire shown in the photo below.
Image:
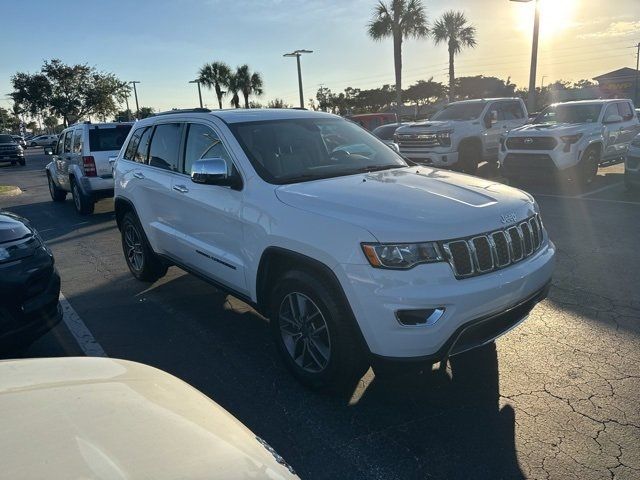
(587, 169)
(57, 194)
(315, 332)
(142, 261)
(468, 158)
(84, 204)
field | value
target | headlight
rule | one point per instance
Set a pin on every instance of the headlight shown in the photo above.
(401, 255)
(569, 140)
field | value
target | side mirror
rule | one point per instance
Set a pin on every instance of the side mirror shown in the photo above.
(213, 171)
(613, 119)
(48, 150)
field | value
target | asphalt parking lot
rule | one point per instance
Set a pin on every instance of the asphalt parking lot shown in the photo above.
(559, 397)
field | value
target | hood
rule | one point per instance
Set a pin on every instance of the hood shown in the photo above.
(432, 126)
(104, 418)
(411, 204)
(552, 129)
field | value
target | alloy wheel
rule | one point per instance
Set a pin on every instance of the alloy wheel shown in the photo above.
(76, 197)
(304, 332)
(51, 190)
(133, 247)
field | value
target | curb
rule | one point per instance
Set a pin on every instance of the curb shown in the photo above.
(12, 191)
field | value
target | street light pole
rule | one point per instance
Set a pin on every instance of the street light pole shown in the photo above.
(531, 101)
(135, 93)
(199, 91)
(297, 54)
(635, 90)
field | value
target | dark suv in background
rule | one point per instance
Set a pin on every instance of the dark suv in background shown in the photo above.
(10, 151)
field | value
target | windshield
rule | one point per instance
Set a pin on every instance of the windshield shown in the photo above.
(289, 151)
(102, 139)
(6, 139)
(588, 113)
(460, 111)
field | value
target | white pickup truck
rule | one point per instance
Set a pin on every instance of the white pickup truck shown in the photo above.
(462, 134)
(570, 139)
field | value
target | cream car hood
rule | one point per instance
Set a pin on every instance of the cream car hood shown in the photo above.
(96, 418)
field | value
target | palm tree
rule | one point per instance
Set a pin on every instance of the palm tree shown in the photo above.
(400, 19)
(453, 29)
(233, 86)
(248, 83)
(215, 75)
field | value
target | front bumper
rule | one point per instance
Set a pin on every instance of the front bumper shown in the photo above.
(97, 187)
(375, 295)
(538, 163)
(11, 156)
(27, 320)
(436, 157)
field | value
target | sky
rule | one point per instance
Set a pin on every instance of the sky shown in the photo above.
(163, 43)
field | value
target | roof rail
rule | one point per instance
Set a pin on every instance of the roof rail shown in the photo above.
(183, 110)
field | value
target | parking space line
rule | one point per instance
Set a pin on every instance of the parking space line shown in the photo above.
(79, 330)
(601, 189)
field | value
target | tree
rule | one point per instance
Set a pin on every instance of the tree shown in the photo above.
(248, 83)
(127, 115)
(323, 96)
(215, 75)
(401, 19)
(585, 83)
(72, 92)
(51, 123)
(8, 121)
(452, 29)
(233, 87)
(483, 87)
(424, 92)
(277, 103)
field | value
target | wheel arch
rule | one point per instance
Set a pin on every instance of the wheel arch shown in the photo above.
(121, 207)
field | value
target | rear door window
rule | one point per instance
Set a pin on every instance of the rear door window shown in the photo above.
(67, 142)
(164, 151)
(612, 109)
(77, 141)
(103, 139)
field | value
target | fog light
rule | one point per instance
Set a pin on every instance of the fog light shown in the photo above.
(418, 318)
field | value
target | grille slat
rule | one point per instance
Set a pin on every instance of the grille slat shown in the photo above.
(488, 252)
(531, 143)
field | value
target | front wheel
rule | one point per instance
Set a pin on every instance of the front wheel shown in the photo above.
(588, 166)
(468, 158)
(22, 162)
(84, 204)
(315, 333)
(142, 261)
(57, 194)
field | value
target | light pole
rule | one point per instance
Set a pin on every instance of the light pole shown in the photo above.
(135, 94)
(199, 92)
(297, 54)
(531, 102)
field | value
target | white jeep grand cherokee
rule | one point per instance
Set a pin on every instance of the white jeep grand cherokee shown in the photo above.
(356, 257)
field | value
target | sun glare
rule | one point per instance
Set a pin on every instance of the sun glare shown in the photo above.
(555, 16)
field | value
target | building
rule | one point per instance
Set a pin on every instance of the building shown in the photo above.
(621, 83)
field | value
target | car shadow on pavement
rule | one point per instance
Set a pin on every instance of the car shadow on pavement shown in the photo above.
(436, 424)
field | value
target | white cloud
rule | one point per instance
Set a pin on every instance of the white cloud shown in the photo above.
(615, 29)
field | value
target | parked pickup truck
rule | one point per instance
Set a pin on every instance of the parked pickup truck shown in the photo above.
(570, 139)
(462, 134)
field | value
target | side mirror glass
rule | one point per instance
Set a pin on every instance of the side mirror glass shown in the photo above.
(613, 119)
(48, 150)
(213, 171)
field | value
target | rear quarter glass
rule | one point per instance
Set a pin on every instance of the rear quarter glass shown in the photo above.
(102, 139)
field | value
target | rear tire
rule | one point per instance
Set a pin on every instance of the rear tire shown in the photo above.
(84, 204)
(628, 184)
(315, 332)
(57, 194)
(468, 158)
(142, 261)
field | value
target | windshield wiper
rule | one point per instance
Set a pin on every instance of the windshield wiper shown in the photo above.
(375, 168)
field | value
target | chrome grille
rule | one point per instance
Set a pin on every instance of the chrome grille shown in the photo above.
(491, 251)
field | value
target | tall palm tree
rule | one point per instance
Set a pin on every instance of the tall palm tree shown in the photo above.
(400, 19)
(215, 75)
(249, 83)
(233, 87)
(452, 28)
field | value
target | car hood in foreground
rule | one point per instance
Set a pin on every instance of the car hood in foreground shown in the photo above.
(412, 204)
(103, 418)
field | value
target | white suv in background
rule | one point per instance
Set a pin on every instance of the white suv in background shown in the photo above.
(80, 163)
(462, 134)
(356, 257)
(570, 139)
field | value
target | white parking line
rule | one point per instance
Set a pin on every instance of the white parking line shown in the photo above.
(79, 330)
(601, 189)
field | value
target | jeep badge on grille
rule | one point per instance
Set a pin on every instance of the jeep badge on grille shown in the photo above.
(508, 217)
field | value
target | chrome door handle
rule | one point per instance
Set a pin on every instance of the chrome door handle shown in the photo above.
(138, 175)
(180, 188)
